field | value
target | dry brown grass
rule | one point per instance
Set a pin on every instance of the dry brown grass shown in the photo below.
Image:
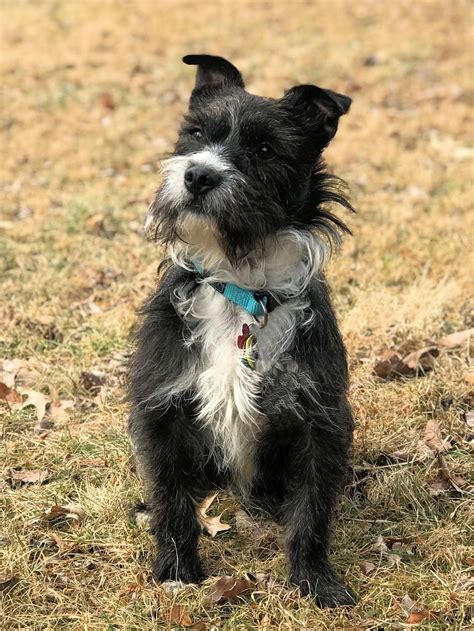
(76, 177)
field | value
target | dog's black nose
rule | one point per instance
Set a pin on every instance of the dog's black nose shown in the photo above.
(199, 179)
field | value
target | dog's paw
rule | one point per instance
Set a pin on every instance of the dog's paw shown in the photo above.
(167, 567)
(335, 595)
(328, 592)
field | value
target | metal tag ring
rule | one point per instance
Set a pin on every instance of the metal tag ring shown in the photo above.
(263, 322)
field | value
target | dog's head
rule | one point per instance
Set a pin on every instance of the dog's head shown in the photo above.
(246, 166)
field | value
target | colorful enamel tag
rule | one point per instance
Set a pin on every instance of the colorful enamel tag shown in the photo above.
(247, 342)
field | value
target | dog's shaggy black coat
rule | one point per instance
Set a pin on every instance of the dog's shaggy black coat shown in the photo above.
(272, 149)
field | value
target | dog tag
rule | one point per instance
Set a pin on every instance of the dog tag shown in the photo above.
(247, 342)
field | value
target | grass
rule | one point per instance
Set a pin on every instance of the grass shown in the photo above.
(93, 95)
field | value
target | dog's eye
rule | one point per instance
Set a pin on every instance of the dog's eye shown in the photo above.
(195, 132)
(265, 151)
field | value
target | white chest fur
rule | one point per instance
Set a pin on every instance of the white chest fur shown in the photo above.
(226, 389)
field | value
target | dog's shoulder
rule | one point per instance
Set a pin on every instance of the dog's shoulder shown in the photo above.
(171, 277)
(314, 366)
(161, 361)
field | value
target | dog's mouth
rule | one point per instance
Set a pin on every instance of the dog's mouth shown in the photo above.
(191, 223)
(165, 213)
(197, 206)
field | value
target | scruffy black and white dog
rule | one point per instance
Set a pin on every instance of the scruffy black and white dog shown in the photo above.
(240, 376)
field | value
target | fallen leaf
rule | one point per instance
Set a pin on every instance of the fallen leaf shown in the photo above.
(59, 409)
(106, 100)
(367, 567)
(407, 603)
(393, 559)
(9, 368)
(416, 611)
(403, 549)
(393, 365)
(93, 380)
(198, 626)
(423, 452)
(212, 525)
(390, 365)
(418, 616)
(72, 514)
(457, 339)
(433, 437)
(45, 326)
(11, 396)
(267, 538)
(445, 480)
(227, 588)
(469, 377)
(244, 522)
(179, 615)
(440, 485)
(38, 400)
(97, 225)
(422, 359)
(17, 477)
(16, 372)
(468, 399)
(394, 550)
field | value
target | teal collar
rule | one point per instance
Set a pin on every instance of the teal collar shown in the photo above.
(256, 303)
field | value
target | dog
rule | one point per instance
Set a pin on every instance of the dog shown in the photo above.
(239, 379)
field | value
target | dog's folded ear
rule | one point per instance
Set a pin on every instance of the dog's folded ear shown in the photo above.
(321, 108)
(214, 71)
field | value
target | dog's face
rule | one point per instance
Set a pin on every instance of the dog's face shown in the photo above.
(243, 165)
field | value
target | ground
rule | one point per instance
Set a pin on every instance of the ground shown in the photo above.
(93, 93)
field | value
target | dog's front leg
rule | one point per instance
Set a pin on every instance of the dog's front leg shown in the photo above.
(312, 464)
(171, 454)
(315, 474)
